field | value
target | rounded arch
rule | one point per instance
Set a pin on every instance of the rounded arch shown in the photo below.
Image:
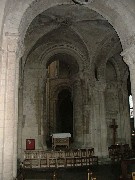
(59, 88)
(63, 49)
(45, 43)
(117, 70)
(109, 43)
(46, 38)
(109, 47)
(115, 12)
(112, 62)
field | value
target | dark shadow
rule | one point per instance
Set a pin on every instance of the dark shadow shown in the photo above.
(64, 122)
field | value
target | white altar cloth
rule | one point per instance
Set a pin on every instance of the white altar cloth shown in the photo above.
(61, 135)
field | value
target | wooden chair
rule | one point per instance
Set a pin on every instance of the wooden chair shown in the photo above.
(35, 159)
(43, 159)
(69, 158)
(27, 163)
(89, 152)
(115, 153)
(35, 163)
(95, 160)
(52, 159)
(84, 157)
(27, 159)
(126, 151)
(43, 163)
(77, 157)
(60, 159)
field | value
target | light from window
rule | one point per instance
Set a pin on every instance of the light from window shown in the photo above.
(131, 106)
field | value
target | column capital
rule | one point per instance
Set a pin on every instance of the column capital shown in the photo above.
(100, 86)
(129, 55)
(75, 78)
(14, 44)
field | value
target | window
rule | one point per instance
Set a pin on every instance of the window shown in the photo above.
(131, 106)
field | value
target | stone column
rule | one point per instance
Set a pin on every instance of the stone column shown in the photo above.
(20, 115)
(99, 125)
(43, 133)
(124, 129)
(129, 59)
(86, 109)
(77, 113)
(9, 107)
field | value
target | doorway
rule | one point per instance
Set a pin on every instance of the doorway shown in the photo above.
(64, 119)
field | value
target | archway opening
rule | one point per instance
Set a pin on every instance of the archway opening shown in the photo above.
(61, 66)
(64, 120)
(58, 108)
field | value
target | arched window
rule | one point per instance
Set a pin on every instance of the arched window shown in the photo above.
(131, 106)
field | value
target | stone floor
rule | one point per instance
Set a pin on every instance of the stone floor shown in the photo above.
(101, 172)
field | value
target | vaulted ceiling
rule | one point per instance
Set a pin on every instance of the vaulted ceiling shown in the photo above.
(75, 24)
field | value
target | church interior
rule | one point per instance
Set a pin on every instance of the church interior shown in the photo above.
(74, 94)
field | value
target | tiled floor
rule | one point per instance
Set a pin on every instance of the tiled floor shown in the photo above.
(101, 172)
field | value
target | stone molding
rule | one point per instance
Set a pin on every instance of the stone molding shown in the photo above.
(13, 44)
(82, 2)
(51, 47)
(1, 51)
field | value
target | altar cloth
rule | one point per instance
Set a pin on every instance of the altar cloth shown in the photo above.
(61, 135)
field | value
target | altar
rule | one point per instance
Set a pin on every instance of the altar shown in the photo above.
(60, 139)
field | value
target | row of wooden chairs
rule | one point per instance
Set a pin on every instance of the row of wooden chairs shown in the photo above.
(119, 152)
(68, 158)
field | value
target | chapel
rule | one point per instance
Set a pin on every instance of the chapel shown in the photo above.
(66, 68)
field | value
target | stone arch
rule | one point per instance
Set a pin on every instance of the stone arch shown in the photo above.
(47, 51)
(44, 40)
(50, 49)
(117, 70)
(77, 61)
(66, 49)
(60, 88)
(108, 48)
(16, 25)
(29, 11)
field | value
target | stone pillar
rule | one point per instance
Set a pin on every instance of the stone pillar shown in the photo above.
(86, 110)
(54, 113)
(9, 107)
(77, 113)
(43, 125)
(124, 129)
(20, 118)
(99, 125)
(2, 100)
(129, 59)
